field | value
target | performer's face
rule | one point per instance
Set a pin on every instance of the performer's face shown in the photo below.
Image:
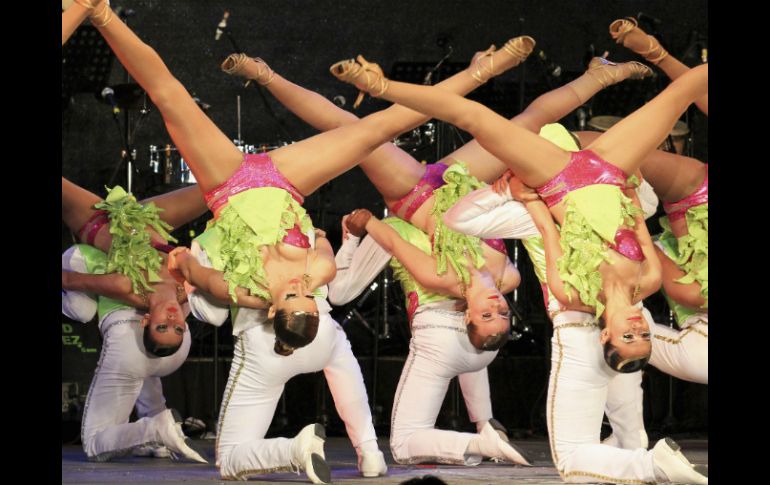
(489, 311)
(167, 323)
(294, 297)
(627, 330)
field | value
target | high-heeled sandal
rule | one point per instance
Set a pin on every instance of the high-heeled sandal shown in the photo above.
(101, 13)
(608, 73)
(235, 63)
(627, 32)
(484, 65)
(366, 76)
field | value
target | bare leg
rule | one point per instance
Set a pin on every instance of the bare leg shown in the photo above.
(77, 205)
(628, 33)
(71, 20)
(211, 155)
(534, 159)
(547, 108)
(673, 69)
(555, 105)
(393, 171)
(587, 137)
(314, 161)
(628, 142)
(672, 176)
(180, 206)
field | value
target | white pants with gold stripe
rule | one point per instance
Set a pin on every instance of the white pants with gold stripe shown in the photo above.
(438, 351)
(125, 376)
(257, 378)
(680, 353)
(578, 390)
(683, 353)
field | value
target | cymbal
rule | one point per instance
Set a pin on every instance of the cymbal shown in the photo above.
(603, 123)
(127, 96)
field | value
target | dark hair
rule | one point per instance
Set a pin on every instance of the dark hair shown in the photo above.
(486, 342)
(619, 364)
(293, 330)
(426, 480)
(156, 348)
(616, 362)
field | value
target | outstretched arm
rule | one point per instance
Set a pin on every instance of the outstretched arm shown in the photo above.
(651, 276)
(114, 285)
(357, 266)
(182, 263)
(71, 20)
(490, 215)
(551, 240)
(685, 294)
(420, 265)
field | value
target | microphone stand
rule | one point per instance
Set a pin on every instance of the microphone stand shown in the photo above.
(281, 126)
(128, 153)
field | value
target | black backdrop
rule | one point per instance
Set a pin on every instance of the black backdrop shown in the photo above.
(301, 39)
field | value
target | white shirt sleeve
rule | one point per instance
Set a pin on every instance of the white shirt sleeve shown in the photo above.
(486, 214)
(202, 306)
(647, 198)
(357, 266)
(76, 305)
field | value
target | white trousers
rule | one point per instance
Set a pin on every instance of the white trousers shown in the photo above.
(680, 353)
(438, 351)
(125, 376)
(257, 378)
(577, 394)
(683, 353)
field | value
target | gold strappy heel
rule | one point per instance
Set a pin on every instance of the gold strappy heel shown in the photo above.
(517, 48)
(608, 73)
(235, 65)
(627, 32)
(366, 76)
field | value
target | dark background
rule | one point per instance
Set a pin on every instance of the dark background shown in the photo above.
(300, 40)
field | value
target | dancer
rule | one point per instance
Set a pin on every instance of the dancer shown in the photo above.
(135, 238)
(593, 211)
(439, 350)
(421, 194)
(138, 348)
(581, 387)
(284, 270)
(257, 379)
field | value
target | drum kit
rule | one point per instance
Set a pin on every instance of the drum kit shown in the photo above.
(677, 141)
(165, 160)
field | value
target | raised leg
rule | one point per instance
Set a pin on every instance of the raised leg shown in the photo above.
(672, 176)
(627, 32)
(627, 143)
(533, 158)
(211, 155)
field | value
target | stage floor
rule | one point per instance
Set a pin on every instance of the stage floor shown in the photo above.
(341, 457)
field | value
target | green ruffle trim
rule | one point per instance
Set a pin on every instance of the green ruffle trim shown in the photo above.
(584, 250)
(449, 246)
(420, 240)
(131, 253)
(240, 244)
(692, 254)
